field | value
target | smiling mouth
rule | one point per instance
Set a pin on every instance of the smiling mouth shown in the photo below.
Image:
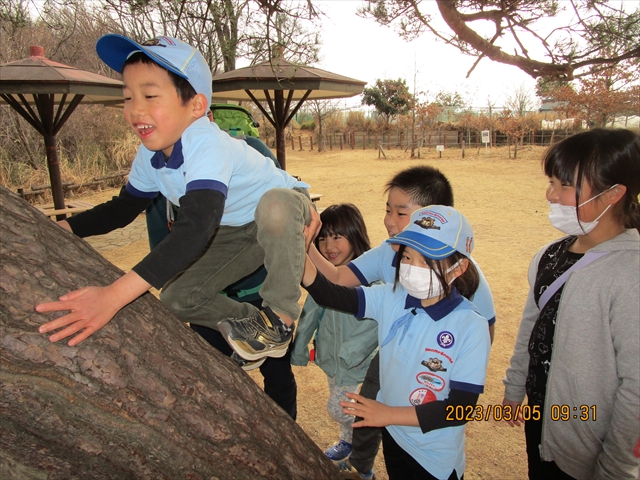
(144, 129)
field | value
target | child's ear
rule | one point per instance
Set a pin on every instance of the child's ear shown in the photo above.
(615, 194)
(461, 267)
(200, 105)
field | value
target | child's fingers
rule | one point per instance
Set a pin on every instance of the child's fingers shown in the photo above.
(58, 323)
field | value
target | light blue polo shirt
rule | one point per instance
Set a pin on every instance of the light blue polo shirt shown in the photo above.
(379, 264)
(425, 352)
(205, 157)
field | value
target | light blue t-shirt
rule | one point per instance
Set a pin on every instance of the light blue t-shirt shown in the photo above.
(379, 264)
(205, 157)
(425, 352)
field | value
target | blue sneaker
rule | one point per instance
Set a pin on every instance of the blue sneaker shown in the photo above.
(339, 451)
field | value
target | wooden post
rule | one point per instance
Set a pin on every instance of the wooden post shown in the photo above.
(380, 150)
(462, 147)
(389, 141)
(553, 134)
(377, 144)
(444, 142)
(429, 144)
(300, 141)
(494, 144)
(331, 142)
(311, 142)
(364, 141)
(293, 145)
(353, 140)
(461, 139)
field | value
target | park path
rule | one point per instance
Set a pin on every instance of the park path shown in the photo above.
(121, 237)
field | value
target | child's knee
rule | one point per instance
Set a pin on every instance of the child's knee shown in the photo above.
(279, 207)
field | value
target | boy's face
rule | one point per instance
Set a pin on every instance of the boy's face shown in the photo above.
(153, 108)
(400, 206)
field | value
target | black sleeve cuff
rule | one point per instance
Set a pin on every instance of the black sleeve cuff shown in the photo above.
(442, 413)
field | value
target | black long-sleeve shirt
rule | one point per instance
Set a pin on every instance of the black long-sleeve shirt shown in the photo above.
(200, 216)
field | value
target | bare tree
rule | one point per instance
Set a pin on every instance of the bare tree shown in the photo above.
(569, 51)
(519, 102)
(321, 111)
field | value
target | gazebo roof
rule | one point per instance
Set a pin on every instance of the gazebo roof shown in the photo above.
(39, 75)
(280, 74)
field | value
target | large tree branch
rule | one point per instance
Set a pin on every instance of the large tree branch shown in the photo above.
(534, 68)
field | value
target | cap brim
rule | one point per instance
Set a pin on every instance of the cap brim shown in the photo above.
(427, 246)
(114, 49)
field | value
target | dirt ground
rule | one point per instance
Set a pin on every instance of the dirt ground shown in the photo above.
(504, 201)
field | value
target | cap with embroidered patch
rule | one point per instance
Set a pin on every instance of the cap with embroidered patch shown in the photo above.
(170, 53)
(436, 232)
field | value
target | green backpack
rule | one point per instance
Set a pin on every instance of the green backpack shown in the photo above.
(235, 119)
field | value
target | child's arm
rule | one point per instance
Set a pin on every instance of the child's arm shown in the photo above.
(91, 308)
(118, 212)
(341, 275)
(376, 414)
(430, 416)
(326, 293)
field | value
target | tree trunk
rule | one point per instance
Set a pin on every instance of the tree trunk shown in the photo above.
(145, 397)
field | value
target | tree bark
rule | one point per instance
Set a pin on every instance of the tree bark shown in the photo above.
(145, 397)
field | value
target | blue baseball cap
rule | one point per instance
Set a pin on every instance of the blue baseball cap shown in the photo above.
(170, 53)
(436, 232)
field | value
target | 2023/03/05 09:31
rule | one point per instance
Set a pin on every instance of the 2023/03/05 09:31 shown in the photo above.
(567, 412)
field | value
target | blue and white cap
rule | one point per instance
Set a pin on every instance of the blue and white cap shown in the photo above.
(170, 53)
(436, 232)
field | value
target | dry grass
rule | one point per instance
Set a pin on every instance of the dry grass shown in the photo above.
(504, 201)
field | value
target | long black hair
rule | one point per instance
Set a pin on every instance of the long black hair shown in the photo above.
(345, 219)
(603, 158)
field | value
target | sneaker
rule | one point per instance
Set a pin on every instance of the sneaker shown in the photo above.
(260, 335)
(246, 365)
(349, 472)
(339, 451)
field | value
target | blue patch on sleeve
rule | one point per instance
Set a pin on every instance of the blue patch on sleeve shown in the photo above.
(137, 193)
(208, 185)
(467, 387)
(357, 273)
(362, 303)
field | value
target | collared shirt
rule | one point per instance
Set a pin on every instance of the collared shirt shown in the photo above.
(205, 157)
(379, 263)
(432, 350)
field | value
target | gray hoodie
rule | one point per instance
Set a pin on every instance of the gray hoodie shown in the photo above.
(595, 362)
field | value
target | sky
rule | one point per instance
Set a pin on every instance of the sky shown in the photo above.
(362, 49)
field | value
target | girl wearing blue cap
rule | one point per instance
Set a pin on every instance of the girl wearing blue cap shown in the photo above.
(434, 346)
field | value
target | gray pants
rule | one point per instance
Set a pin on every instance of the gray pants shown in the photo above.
(274, 239)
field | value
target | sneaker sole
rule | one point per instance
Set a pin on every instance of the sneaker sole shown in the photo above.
(253, 365)
(243, 349)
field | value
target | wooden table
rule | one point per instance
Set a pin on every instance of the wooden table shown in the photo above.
(72, 206)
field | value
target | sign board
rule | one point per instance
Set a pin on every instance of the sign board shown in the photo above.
(485, 136)
(440, 148)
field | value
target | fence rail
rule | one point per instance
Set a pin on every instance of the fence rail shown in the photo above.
(402, 140)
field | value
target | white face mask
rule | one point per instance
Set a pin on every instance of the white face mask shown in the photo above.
(420, 282)
(564, 218)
